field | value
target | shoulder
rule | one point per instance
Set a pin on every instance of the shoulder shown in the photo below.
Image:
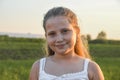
(34, 71)
(94, 71)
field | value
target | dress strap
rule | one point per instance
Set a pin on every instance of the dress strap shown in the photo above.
(86, 64)
(42, 64)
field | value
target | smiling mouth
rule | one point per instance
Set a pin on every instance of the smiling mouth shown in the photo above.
(60, 46)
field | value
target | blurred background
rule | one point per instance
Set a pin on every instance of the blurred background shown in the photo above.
(22, 39)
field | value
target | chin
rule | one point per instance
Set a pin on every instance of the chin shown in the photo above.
(61, 52)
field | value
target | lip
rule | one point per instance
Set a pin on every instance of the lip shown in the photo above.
(60, 45)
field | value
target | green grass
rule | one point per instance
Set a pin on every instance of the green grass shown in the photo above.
(21, 50)
(108, 57)
(105, 50)
(110, 67)
(15, 69)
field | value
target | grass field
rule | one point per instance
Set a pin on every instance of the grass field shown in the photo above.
(15, 69)
(110, 67)
(108, 57)
(16, 59)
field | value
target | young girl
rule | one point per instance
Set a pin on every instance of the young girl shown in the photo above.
(67, 58)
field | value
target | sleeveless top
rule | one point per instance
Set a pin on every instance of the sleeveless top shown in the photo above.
(82, 75)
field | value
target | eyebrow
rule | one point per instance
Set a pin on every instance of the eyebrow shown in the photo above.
(66, 28)
(50, 32)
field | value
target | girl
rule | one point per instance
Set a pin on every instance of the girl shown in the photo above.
(67, 58)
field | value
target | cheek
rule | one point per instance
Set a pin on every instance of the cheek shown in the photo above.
(73, 39)
(50, 41)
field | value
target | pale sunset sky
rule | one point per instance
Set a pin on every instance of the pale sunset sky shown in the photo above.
(25, 16)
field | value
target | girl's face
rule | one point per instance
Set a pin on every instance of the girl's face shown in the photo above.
(60, 35)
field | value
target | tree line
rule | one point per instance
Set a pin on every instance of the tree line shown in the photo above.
(101, 38)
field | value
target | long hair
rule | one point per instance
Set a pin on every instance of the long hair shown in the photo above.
(79, 48)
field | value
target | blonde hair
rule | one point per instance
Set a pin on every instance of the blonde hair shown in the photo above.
(72, 18)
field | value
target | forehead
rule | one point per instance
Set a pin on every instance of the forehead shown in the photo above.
(57, 23)
(57, 20)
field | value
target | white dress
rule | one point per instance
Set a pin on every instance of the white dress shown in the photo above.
(82, 75)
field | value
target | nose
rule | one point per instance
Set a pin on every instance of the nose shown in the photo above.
(59, 38)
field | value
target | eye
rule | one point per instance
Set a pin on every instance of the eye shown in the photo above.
(51, 33)
(65, 31)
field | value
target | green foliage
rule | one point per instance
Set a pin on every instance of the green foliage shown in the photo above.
(110, 67)
(102, 36)
(15, 69)
(88, 36)
(97, 41)
(105, 50)
(6, 38)
(108, 57)
(21, 48)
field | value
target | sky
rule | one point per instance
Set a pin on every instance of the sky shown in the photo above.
(94, 16)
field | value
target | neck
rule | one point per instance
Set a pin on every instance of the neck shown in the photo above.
(65, 57)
